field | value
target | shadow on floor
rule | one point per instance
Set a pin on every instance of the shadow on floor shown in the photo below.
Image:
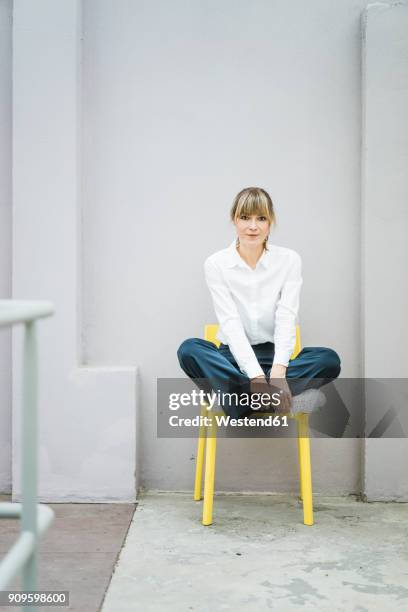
(79, 551)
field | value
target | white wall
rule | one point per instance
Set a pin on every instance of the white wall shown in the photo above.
(182, 105)
(185, 103)
(5, 240)
(87, 432)
(385, 217)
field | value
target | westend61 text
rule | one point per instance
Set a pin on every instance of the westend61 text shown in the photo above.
(205, 421)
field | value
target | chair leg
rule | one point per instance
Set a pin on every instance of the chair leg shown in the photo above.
(305, 466)
(202, 434)
(211, 447)
(299, 457)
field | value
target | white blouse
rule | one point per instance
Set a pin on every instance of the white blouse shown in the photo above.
(255, 306)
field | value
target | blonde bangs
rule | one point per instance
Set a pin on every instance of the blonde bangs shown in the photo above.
(253, 206)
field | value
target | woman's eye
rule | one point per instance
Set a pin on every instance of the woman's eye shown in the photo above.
(262, 218)
(243, 217)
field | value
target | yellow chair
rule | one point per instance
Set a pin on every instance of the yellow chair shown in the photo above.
(207, 445)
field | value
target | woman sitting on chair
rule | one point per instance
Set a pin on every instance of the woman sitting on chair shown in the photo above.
(255, 287)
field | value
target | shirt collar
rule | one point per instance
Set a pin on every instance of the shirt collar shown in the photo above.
(235, 259)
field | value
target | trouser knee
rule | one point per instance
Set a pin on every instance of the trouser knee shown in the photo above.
(329, 363)
(187, 350)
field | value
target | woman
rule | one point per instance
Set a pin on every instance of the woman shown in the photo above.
(255, 288)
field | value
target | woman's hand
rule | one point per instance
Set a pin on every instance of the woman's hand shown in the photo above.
(277, 379)
(260, 385)
(277, 371)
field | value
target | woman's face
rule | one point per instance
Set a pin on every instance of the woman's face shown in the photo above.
(252, 230)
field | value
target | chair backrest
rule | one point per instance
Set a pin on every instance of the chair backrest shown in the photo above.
(210, 332)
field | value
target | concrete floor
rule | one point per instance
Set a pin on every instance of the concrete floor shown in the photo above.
(77, 553)
(258, 555)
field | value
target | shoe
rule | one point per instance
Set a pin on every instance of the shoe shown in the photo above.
(308, 401)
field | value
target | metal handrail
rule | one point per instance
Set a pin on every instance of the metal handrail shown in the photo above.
(35, 518)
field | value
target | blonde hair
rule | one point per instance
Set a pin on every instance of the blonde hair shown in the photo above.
(253, 201)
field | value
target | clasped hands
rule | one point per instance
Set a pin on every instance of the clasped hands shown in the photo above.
(277, 383)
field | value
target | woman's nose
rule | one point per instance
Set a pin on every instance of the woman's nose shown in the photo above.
(252, 224)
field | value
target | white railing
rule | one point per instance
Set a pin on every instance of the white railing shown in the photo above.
(35, 518)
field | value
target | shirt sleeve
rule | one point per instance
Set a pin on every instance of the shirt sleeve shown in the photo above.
(287, 312)
(230, 322)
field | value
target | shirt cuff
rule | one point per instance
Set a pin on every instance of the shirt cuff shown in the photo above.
(281, 357)
(253, 370)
